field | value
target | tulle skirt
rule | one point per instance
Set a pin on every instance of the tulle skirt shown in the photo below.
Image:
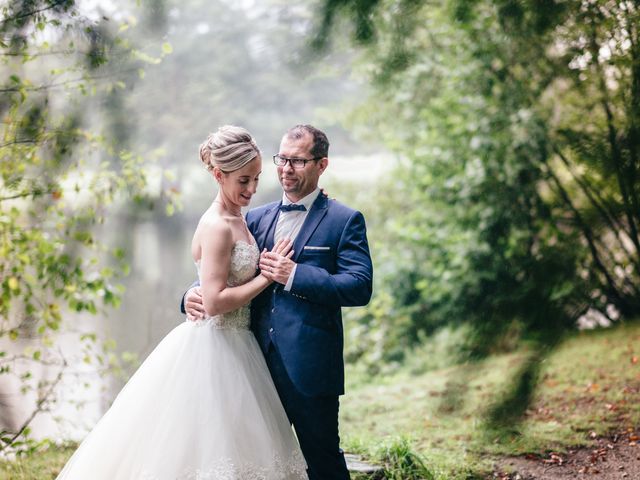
(201, 406)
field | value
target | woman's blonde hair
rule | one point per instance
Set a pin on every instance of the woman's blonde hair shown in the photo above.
(229, 149)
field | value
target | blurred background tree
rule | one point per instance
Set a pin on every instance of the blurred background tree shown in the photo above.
(63, 163)
(515, 211)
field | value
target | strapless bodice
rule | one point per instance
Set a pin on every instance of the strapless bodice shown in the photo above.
(244, 261)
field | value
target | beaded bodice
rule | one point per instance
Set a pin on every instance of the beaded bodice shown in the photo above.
(244, 261)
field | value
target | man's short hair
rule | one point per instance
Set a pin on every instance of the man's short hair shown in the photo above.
(320, 146)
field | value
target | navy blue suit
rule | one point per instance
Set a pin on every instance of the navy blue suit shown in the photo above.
(300, 331)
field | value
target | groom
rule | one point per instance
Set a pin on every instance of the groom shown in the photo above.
(297, 320)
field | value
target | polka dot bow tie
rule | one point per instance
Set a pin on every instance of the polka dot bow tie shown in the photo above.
(292, 207)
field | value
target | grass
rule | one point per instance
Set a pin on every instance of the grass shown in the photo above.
(42, 465)
(431, 424)
(591, 383)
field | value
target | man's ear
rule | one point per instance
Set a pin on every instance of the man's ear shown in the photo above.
(323, 163)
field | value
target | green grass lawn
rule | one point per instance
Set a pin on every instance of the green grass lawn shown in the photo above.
(43, 465)
(591, 383)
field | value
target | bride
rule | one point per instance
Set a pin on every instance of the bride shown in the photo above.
(203, 405)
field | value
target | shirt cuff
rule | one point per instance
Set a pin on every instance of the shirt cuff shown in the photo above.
(287, 287)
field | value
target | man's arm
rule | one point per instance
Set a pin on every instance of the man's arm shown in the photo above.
(352, 284)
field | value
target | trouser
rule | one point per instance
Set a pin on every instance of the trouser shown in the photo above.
(315, 420)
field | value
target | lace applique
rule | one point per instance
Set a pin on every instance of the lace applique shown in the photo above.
(225, 469)
(239, 319)
(244, 262)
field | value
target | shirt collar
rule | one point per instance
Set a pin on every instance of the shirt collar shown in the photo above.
(306, 201)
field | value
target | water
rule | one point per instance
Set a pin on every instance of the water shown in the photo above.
(161, 269)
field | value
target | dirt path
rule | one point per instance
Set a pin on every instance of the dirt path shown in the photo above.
(616, 457)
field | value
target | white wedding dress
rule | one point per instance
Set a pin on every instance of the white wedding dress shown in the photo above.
(202, 406)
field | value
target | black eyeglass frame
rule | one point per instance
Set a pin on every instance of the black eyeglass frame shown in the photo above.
(282, 161)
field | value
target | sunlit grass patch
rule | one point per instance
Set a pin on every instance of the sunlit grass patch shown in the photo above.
(44, 464)
(589, 386)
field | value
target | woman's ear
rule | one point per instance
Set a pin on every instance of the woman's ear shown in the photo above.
(217, 174)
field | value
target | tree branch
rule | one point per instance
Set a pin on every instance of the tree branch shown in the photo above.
(33, 12)
(616, 155)
(66, 82)
(13, 358)
(17, 142)
(589, 237)
(609, 218)
(27, 194)
(39, 407)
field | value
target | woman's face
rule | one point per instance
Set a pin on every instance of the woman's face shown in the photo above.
(240, 185)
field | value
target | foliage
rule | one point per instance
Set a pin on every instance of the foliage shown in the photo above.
(518, 125)
(402, 463)
(63, 164)
(46, 463)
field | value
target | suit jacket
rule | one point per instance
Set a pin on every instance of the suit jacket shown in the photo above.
(333, 270)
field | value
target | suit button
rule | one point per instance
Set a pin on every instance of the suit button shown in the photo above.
(271, 330)
(273, 310)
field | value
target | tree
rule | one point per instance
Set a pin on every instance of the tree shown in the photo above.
(63, 164)
(519, 123)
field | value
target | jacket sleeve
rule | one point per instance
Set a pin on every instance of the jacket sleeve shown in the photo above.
(194, 284)
(351, 284)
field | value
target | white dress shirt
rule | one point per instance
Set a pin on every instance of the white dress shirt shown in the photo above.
(290, 223)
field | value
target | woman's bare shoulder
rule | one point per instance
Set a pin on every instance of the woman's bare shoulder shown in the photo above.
(214, 227)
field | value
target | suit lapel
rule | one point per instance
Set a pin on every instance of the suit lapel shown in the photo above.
(268, 225)
(316, 214)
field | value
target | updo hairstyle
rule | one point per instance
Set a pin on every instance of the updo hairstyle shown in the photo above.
(229, 149)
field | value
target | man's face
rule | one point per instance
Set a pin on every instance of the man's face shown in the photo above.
(298, 183)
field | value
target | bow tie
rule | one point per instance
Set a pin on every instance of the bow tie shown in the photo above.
(293, 207)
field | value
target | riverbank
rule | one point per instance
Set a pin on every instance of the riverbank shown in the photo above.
(589, 390)
(589, 396)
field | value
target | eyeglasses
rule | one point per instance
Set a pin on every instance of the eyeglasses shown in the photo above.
(296, 163)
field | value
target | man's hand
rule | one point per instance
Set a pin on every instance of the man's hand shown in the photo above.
(277, 265)
(193, 304)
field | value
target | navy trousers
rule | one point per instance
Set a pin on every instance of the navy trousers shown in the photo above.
(315, 420)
